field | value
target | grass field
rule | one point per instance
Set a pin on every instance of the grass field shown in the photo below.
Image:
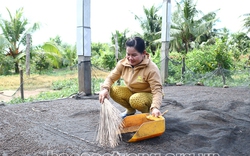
(35, 81)
(51, 85)
(62, 83)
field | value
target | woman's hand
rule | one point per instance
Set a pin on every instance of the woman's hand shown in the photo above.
(103, 94)
(155, 112)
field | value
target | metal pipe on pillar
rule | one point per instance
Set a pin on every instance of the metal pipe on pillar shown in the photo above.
(84, 46)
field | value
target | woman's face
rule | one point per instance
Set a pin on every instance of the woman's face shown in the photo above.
(133, 56)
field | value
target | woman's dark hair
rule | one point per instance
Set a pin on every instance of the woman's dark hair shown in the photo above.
(136, 42)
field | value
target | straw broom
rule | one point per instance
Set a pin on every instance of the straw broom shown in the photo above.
(110, 125)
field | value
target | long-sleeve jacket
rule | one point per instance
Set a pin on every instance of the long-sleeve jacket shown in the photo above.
(144, 77)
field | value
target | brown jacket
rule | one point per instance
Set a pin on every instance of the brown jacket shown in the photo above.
(144, 77)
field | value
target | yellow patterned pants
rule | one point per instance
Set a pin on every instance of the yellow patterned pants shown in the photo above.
(131, 101)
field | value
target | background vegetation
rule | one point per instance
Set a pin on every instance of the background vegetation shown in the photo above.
(199, 53)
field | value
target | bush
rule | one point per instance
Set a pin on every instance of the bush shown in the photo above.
(201, 61)
(174, 67)
(209, 58)
(7, 64)
(41, 63)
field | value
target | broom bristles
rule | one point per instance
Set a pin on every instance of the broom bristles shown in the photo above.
(110, 125)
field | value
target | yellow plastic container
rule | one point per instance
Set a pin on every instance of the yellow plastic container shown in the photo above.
(144, 125)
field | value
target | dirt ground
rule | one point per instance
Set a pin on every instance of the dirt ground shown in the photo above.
(7, 95)
(202, 121)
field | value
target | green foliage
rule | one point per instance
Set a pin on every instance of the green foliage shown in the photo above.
(223, 57)
(66, 53)
(103, 56)
(69, 56)
(15, 31)
(18, 100)
(219, 54)
(41, 63)
(108, 60)
(97, 49)
(63, 84)
(4, 44)
(239, 43)
(121, 40)
(59, 72)
(53, 53)
(62, 89)
(96, 83)
(56, 40)
(189, 26)
(201, 60)
(66, 88)
(6, 65)
(246, 21)
(237, 79)
(151, 26)
(174, 67)
(209, 58)
(157, 57)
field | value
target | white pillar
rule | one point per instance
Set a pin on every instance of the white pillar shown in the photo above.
(84, 46)
(165, 36)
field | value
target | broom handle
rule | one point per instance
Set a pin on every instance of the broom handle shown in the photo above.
(164, 112)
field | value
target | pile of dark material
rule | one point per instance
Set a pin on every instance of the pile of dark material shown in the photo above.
(201, 120)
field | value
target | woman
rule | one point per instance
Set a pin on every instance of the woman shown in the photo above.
(143, 90)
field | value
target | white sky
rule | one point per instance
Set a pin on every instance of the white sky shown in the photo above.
(58, 17)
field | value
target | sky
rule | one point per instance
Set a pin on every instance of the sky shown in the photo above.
(59, 17)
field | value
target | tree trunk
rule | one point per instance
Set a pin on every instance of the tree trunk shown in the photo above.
(16, 68)
(184, 61)
(116, 55)
(28, 55)
(183, 69)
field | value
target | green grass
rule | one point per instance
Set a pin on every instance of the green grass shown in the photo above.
(211, 79)
(65, 84)
(60, 83)
(59, 89)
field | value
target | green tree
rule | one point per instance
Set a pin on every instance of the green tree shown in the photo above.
(41, 63)
(3, 44)
(6, 64)
(68, 52)
(69, 56)
(240, 41)
(57, 40)
(188, 26)
(246, 21)
(151, 26)
(223, 55)
(96, 51)
(15, 31)
(50, 53)
(121, 39)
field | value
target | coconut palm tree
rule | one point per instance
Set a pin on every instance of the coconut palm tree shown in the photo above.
(3, 44)
(151, 27)
(188, 26)
(15, 31)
